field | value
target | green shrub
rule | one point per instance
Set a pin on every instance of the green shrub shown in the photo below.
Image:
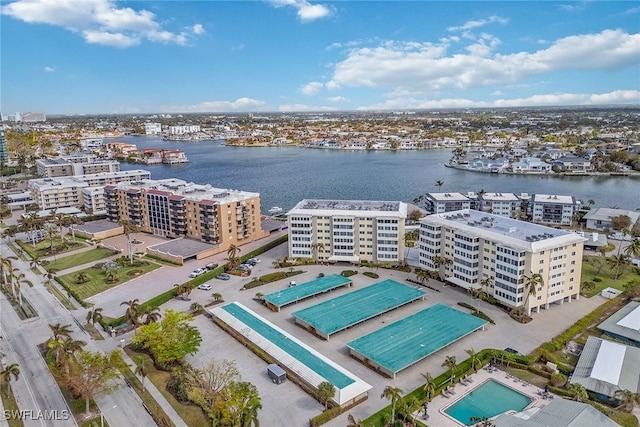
(371, 274)
(325, 417)
(598, 279)
(179, 383)
(558, 379)
(273, 277)
(624, 419)
(348, 273)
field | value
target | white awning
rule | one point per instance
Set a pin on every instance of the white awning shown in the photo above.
(608, 363)
(631, 320)
(349, 258)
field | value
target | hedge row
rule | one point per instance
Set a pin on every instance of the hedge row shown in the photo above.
(72, 293)
(477, 312)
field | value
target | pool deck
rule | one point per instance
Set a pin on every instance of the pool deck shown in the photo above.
(437, 417)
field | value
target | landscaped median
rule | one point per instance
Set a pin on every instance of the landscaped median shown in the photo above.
(81, 258)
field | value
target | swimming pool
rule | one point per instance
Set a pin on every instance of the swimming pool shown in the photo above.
(488, 400)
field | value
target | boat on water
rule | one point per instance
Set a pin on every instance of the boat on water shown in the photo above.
(276, 210)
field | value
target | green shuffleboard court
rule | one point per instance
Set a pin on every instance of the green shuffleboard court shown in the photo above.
(346, 310)
(407, 341)
(306, 290)
(291, 347)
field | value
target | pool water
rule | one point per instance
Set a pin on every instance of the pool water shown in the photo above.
(490, 399)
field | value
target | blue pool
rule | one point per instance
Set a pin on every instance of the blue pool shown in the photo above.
(490, 399)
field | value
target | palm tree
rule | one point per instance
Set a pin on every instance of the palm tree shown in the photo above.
(276, 263)
(633, 249)
(49, 276)
(141, 368)
(531, 284)
(12, 370)
(485, 284)
(132, 313)
(393, 394)
(326, 391)
(450, 362)
(129, 227)
(316, 247)
(474, 357)
(232, 252)
(60, 331)
(112, 274)
(35, 262)
(152, 316)
(352, 422)
(439, 184)
(628, 399)
(216, 296)
(94, 316)
(578, 392)
(429, 385)
(588, 286)
(81, 278)
(422, 276)
(618, 262)
(184, 290)
(196, 308)
(6, 266)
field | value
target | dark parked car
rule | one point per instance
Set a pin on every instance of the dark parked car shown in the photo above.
(223, 276)
(513, 351)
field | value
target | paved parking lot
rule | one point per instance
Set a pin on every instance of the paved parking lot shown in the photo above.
(299, 406)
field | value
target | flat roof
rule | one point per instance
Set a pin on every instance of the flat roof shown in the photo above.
(182, 247)
(407, 341)
(311, 366)
(448, 197)
(512, 232)
(305, 290)
(500, 197)
(555, 199)
(346, 310)
(360, 208)
(624, 322)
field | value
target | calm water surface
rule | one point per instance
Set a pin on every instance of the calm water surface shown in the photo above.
(285, 175)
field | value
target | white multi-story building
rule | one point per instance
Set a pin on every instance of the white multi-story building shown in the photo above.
(473, 249)
(347, 230)
(551, 209)
(436, 203)
(153, 128)
(62, 192)
(181, 130)
(503, 204)
(52, 167)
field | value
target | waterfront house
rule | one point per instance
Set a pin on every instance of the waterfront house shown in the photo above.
(573, 164)
(600, 218)
(531, 164)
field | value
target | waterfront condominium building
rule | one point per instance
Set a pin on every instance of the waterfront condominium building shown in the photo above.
(503, 204)
(347, 230)
(63, 192)
(74, 165)
(473, 249)
(436, 203)
(152, 128)
(175, 208)
(555, 210)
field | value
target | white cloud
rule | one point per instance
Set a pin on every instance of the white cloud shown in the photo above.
(631, 11)
(570, 7)
(289, 108)
(98, 21)
(555, 99)
(306, 11)
(49, 69)
(240, 104)
(338, 99)
(311, 88)
(427, 67)
(469, 25)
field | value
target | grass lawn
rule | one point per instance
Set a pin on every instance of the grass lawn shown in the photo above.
(56, 292)
(191, 414)
(9, 404)
(97, 278)
(590, 268)
(78, 259)
(43, 248)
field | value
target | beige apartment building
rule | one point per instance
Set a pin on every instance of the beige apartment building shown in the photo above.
(74, 165)
(175, 208)
(467, 247)
(347, 230)
(63, 192)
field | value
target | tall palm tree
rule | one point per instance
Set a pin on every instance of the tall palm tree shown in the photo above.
(485, 284)
(578, 392)
(129, 227)
(531, 284)
(618, 262)
(142, 370)
(132, 313)
(94, 315)
(35, 262)
(184, 290)
(450, 362)
(628, 399)
(439, 184)
(474, 357)
(49, 276)
(393, 394)
(232, 253)
(316, 247)
(429, 385)
(6, 267)
(633, 249)
(12, 370)
(59, 331)
(216, 296)
(152, 316)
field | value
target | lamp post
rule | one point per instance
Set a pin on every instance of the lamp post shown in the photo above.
(102, 414)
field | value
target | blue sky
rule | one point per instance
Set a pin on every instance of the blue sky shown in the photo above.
(105, 56)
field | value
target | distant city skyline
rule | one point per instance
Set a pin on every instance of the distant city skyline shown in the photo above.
(145, 57)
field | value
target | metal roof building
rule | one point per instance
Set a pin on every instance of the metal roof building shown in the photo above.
(624, 324)
(559, 413)
(605, 367)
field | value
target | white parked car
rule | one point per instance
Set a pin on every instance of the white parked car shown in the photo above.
(197, 272)
(205, 287)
